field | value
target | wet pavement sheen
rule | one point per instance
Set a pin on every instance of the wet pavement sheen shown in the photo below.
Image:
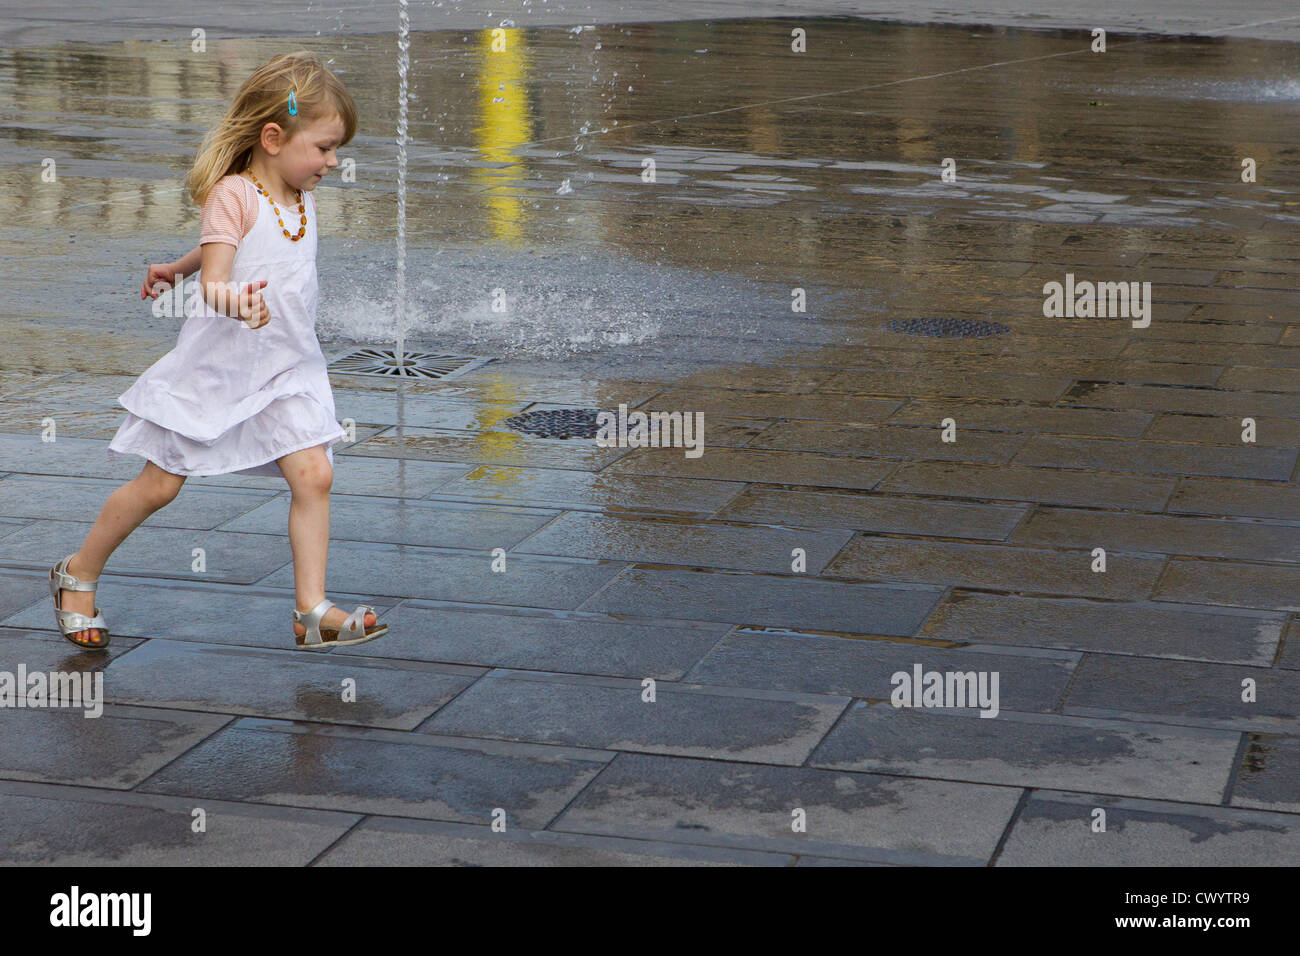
(828, 537)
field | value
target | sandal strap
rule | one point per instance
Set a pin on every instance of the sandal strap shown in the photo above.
(63, 581)
(311, 621)
(355, 625)
(70, 621)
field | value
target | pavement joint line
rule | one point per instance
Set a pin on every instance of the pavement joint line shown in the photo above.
(533, 836)
(686, 674)
(228, 722)
(1292, 623)
(360, 821)
(1194, 723)
(45, 790)
(1011, 824)
(1048, 651)
(834, 724)
(1116, 798)
(1159, 804)
(419, 728)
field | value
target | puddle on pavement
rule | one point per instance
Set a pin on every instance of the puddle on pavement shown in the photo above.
(773, 170)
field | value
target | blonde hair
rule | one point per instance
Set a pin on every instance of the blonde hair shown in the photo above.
(264, 98)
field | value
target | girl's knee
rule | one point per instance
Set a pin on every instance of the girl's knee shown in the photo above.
(160, 486)
(309, 473)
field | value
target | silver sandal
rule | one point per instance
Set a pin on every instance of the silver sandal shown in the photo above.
(353, 630)
(70, 622)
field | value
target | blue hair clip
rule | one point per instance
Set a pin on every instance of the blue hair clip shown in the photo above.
(293, 104)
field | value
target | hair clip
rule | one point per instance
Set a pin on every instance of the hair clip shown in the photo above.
(293, 104)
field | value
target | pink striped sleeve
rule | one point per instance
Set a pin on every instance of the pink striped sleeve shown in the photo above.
(228, 213)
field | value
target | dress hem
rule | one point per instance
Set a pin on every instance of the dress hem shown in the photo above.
(212, 474)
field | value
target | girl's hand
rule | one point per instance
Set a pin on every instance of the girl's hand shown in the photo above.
(160, 274)
(253, 309)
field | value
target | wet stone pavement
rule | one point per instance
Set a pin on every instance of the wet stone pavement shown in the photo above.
(828, 539)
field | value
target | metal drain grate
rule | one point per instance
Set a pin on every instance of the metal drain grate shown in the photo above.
(415, 364)
(556, 423)
(948, 328)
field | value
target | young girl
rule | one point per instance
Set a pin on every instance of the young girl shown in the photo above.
(246, 388)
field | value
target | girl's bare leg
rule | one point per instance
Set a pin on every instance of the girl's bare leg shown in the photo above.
(122, 513)
(310, 476)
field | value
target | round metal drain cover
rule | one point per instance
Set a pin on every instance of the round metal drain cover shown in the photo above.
(556, 423)
(948, 328)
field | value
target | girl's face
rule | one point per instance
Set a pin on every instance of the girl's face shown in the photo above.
(305, 159)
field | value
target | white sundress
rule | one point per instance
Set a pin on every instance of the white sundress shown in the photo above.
(229, 398)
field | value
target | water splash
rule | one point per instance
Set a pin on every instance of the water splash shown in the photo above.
(399, 278)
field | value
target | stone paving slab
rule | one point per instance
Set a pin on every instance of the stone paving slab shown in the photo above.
(70, 457)
(698, 544)
(229, 557)
(1158, 458)
(410, 571)
(50, 651)
(785, 405)
(540, 381)
(289, 684)
(381, 841)
(1195, 401)
(1211, 353)
(775, 600)
(576, 490)
(1198, 331)
(502, 447)
(1200, 496)
(889, 441)
(573, 643)
(358, 475)
(686, 720)
(1160, 534)
(1190, 693)
(756, 465)
(425, 523)
(1092, 367)
(1025, 418)
(22, 419)
(1260, 379)
(187, 611)
(25, 588)
(1055, 829)
(115, 751)
(759, 377)
(49, 825)
(1048, 486)
(1149, 628)
(431, 411)
(1033, 388)
(823, 664)
(1267, 776)
(1230, 584)
(1043, 751)
(872, 511)
(1128, 576)
(381, 771)
(23, 496)
(1200, 429)
(849, 815)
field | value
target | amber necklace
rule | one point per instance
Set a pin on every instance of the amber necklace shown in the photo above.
(302, 210)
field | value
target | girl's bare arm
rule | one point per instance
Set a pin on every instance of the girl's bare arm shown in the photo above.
(188, 264)
(245, 304)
